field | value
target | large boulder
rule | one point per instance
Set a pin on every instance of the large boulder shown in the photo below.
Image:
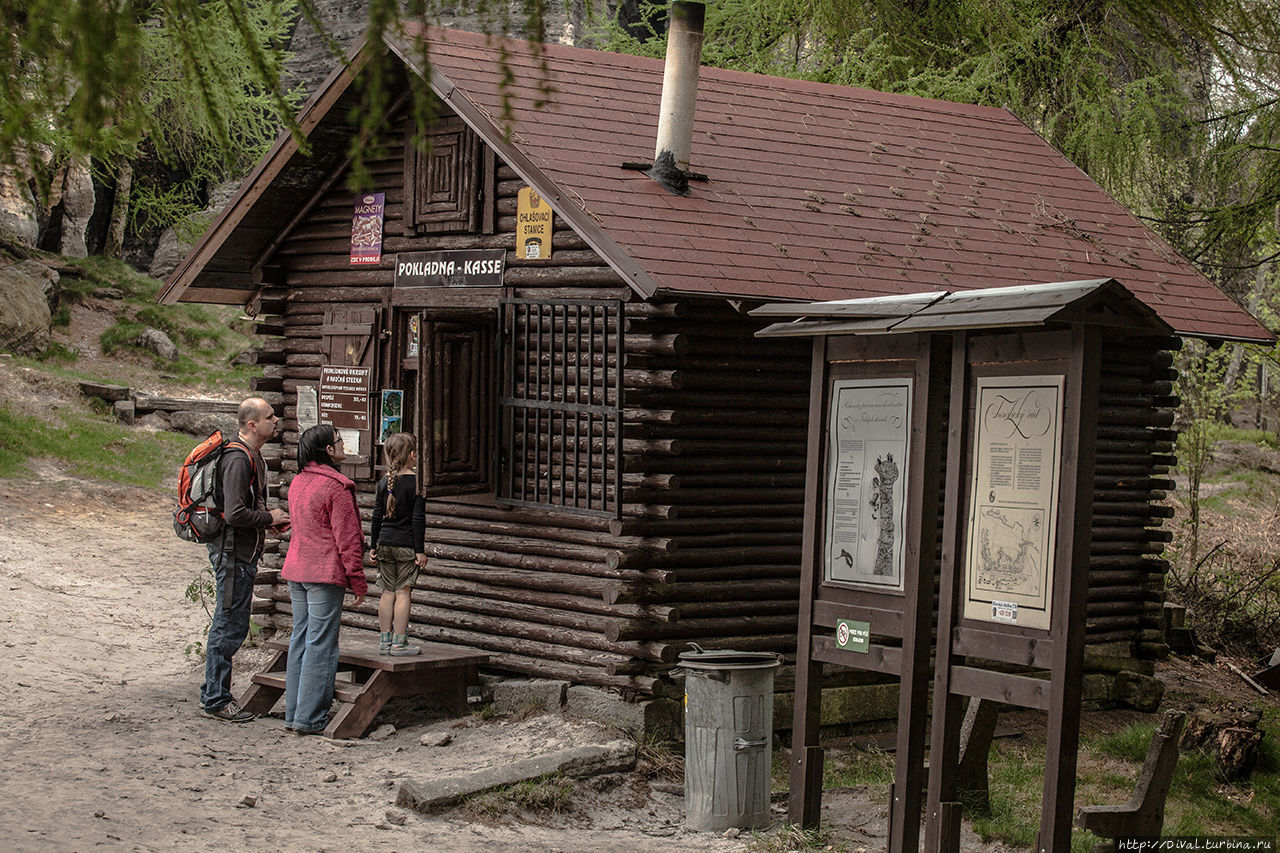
(156, 341)
(203, 423)
(28, 292)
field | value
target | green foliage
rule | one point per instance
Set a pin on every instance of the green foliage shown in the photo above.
(1128, 744)
(196, 84)
(1207, 399)
(199, 79)
(871, 767)
(1016, 787)
(123, 335)
(1200, 804)
(58, 353)
(89, 446)
(212, 335)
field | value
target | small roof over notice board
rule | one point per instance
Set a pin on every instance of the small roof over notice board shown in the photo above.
(1099, 301)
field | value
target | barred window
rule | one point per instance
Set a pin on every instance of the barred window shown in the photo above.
(561, 405)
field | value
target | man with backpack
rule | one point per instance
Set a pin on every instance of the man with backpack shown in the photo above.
(234, 553)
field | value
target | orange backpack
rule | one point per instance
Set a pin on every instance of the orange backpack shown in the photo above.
(198, 517)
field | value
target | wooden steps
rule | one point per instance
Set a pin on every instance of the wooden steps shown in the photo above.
(439, 672)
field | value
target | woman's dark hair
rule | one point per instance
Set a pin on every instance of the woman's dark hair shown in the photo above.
(313, 445)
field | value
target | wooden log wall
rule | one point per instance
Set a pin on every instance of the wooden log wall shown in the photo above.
(714, 427)
(1135, 453)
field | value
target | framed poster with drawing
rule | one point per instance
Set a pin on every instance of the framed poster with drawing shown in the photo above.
(869, 439)
(1013, 500)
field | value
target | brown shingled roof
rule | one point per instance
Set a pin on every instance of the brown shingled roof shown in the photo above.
(814, 191)
(820, 192)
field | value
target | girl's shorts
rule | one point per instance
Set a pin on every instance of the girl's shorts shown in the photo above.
(396, 567)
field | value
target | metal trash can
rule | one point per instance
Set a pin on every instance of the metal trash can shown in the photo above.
(728, 738)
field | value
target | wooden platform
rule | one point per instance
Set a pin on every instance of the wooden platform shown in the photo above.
(439, 672)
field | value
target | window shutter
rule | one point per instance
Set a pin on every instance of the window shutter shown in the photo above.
(443, 178)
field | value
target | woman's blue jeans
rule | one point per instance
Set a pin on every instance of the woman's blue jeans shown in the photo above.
(313, 654)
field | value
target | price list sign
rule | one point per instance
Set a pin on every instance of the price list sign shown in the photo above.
(344, 396)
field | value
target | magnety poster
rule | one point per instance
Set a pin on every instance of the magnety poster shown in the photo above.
(366, 229)
(1013, 500)
(866, 476)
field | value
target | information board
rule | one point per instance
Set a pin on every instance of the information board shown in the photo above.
(1013, 500)
(866, 474)
(344, 396)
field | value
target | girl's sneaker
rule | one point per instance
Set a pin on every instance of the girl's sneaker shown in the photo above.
(384, 642)
(400, 646)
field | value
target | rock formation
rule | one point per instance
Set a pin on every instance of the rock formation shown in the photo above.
(28, 292)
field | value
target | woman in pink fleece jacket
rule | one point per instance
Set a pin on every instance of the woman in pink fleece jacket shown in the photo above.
(325, 559)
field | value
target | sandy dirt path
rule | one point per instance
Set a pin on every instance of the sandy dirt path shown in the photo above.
(101, 743)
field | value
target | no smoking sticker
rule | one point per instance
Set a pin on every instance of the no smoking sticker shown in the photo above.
(853, 636)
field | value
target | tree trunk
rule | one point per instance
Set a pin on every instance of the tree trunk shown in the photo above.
(1230, 733)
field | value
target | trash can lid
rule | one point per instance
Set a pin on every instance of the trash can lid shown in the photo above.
(727, 659)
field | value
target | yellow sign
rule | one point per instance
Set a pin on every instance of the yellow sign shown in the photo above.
(533, 226)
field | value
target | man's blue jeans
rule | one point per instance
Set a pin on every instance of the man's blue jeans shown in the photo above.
(313, 654)
(234, 580)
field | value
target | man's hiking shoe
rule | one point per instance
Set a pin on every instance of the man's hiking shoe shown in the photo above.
(229, 713)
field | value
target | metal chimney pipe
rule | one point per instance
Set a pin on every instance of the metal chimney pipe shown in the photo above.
(679, 94)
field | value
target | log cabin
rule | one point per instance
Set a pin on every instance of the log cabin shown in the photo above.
(613, 464)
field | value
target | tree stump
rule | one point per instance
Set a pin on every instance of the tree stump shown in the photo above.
(1230, 733)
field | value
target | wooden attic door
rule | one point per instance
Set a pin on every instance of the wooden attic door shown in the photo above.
(350, 338)
(443, 178)
(457, 393)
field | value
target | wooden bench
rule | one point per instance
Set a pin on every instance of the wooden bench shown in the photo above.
(1143, 815)
(441, 673)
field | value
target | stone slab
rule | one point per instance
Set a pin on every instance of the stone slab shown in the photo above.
(511, 694)
(579, 762)
(653, 718)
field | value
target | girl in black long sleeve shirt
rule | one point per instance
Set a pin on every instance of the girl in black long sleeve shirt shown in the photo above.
(398, 533)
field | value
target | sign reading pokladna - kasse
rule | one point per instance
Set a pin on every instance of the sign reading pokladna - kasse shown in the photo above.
(344, 396)
(451, 268)
(866, 474)
(1013, 500)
